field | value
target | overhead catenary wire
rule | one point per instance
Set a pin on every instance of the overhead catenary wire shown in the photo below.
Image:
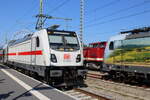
(119, 18)
(98, 8)
(121, 29)
(102, 7)
(120, 11)
(19, 18)
(59, 6)
(26, 13)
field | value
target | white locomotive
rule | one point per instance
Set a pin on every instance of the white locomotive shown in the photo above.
(53, 54)
(127, 55)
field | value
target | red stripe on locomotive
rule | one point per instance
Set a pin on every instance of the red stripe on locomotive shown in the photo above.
(26, 53)
(12, 54)
(31, 53)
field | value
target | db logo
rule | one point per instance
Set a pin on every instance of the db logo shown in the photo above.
(66, 56)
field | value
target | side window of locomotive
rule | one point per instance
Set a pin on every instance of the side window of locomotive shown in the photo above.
(37, 42)
(95, 45)
(90, 45)
(101, 45)
(111, 46)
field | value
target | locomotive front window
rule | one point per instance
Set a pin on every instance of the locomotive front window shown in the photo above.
(63, 42)
(71, 41)
(55, 39)
(95, 45)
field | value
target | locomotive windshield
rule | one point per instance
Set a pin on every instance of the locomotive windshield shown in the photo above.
(63, 42)
(98, 45)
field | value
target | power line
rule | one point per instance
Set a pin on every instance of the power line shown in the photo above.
(121, 10)
(119, 18)
(27, 12)
(59, 6)
(19, 18)
(103, 6)
(34, 4)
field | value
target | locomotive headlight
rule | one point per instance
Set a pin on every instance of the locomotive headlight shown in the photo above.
(78, 59)
(56, 73)
(53, 58)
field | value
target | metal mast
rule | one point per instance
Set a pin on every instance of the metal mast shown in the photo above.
(42, 17)
(81, 20)
(41, 13)
(39, 23)
(6, 39)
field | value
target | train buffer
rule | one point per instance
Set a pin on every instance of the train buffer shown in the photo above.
(17, 86)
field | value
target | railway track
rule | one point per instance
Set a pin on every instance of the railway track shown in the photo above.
(82, 94)
(118, 91)
(96, 75)
(100, 76)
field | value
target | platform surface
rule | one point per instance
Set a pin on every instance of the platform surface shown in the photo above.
(17, 86)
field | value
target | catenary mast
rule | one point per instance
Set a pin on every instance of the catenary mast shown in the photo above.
(42, 17)
(81, 20)
(39, 24)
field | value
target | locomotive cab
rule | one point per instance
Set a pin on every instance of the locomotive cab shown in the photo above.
(65, 49)
(63, 57)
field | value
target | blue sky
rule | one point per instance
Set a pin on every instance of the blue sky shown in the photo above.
(103, 18)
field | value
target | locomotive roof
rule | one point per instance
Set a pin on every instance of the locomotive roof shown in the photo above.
(97, 42)
(137, 33)
(27, 37)
(64, 31)
(141, 35)
(14, 42)
(139, 30)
